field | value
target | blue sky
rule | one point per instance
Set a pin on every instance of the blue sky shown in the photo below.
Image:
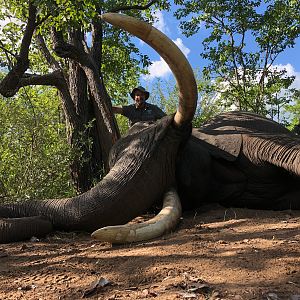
(192, 47)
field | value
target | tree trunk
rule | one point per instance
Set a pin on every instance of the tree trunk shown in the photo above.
(90, 136)
(87, 165)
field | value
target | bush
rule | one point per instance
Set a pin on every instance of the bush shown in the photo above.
(34, 153)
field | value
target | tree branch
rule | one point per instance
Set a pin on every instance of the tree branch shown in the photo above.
(66, 50)
(139, 7)
(30, 27)
(7, 52)
(9, 85)
(42, 20)
(57, 80)
(52, 79)
(44, 49)
(97, 36)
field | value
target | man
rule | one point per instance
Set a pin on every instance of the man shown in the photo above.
(140, 110)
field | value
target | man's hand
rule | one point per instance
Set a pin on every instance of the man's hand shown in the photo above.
(117, 109)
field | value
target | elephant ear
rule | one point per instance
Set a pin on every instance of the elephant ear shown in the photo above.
(262, 140)
(223, 135)
(224, 142)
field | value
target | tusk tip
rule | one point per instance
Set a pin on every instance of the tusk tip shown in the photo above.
(111, 234)
(99, 234)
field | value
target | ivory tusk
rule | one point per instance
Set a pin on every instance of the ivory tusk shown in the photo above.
(164, 222)
(171, 54)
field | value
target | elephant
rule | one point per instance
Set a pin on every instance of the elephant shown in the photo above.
(236, 159)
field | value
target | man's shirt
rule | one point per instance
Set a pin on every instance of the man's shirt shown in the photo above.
(149, 113)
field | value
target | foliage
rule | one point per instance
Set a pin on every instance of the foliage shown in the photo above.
(165, 95)
(244, 39)
(293, 111)
(123, 124)
(121, 61)
(34, 153)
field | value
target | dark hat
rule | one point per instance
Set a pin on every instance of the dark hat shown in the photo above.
(140, 88)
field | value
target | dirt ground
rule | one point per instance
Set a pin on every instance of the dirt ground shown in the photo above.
(217, 254)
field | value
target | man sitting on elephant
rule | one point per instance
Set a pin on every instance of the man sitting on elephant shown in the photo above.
(140, 110)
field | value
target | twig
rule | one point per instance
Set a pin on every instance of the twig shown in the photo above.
(6, 50)
(224, 219)
(139, 7)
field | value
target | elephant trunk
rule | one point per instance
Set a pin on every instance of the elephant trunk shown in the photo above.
(281, 150)
(143, 169)
(24, 228)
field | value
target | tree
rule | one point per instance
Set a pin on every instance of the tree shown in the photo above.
(244, 39)
(65, 45)
(165, 95)
(293, 112)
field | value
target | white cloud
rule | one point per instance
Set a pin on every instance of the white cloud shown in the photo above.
(185, 50)
(160, 23)
(290, 71)
(160, 68)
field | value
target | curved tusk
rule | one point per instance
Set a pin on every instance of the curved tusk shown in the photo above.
(162, 223)
(171, 54)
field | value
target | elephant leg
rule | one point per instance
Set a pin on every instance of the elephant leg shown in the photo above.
(23, 228)
(267, 186)
(289, 201)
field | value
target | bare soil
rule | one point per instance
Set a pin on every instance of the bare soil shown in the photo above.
(217, 254)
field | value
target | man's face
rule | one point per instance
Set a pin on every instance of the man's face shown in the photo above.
(139, 99)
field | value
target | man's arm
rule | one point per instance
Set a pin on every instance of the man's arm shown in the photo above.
(159, 113)
(117, 110)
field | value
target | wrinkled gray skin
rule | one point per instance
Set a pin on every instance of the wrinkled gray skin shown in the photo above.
(140, 160)
(243, 160)
(237, 159)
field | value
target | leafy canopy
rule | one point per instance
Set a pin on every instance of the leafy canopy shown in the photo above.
(244, 39)
(121, 61)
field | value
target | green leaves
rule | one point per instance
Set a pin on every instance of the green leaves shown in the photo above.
(165, 95)
(244, 39)
(34, 154)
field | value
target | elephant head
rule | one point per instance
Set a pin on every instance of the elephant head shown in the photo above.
(142, 163)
